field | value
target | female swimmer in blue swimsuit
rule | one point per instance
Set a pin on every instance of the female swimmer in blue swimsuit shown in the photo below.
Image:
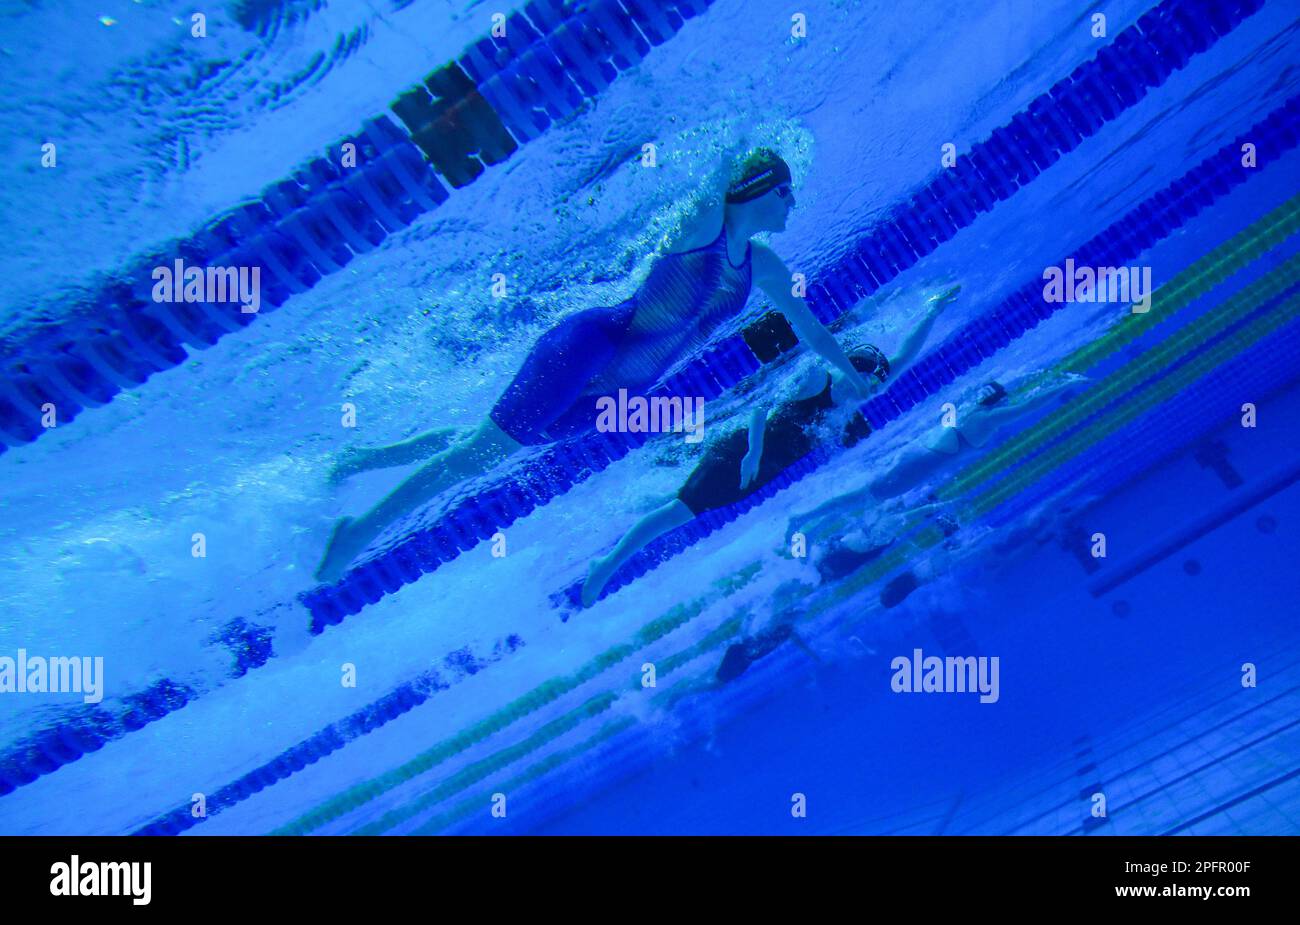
(699, 283)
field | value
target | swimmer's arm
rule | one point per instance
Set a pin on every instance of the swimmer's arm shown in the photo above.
(990, 419)
(907, 352)
(757, 425)
(773, 277)
(754, 456)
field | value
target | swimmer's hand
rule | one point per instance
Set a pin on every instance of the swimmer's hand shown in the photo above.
(1068, 384)
(941, 301)
(749, 468)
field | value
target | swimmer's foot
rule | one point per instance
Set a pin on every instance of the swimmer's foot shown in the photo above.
(342, 549)
(352, 461)
(597, 578)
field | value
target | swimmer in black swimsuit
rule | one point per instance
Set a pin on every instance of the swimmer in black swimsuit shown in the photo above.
(745, 461)
(703, 280)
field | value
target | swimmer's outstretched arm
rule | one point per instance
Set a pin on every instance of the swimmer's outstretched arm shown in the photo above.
(862, 499)
(773, 277)
(910, 348)
(979, 423)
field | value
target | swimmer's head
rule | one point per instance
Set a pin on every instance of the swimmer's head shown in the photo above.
(991, 393)
(761, 185)
(870, 361)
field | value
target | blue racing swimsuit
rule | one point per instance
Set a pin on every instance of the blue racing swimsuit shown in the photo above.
(626, 346)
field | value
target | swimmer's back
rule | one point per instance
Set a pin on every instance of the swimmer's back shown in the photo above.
(675, 311)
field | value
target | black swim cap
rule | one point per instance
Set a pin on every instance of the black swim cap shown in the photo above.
(993, 393)
(763, 171)
(870, 361)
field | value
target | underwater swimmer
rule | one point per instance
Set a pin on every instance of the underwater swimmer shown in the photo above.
(872, 521)
(746, 460)
(975, 423)
(703, 280)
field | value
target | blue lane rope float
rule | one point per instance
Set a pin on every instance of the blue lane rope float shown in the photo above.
(501, 92)
(1161, 42)
(294, 233)
(401, 700)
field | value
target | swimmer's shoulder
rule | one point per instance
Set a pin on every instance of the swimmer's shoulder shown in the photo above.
(699, 228)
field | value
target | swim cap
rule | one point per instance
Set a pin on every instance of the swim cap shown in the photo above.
(763, 171)
(870, 361)
(993, 393)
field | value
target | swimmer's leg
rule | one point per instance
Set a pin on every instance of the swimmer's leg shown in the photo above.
(487, 447)
(808, 521)
(653, 525)
(914, 466)
(363, 459)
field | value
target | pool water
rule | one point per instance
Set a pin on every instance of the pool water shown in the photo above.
(1132, 690)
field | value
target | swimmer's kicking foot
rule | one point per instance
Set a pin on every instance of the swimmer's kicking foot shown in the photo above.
(342, 549)
(597, 577)
(667, 517)
(477, 453)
